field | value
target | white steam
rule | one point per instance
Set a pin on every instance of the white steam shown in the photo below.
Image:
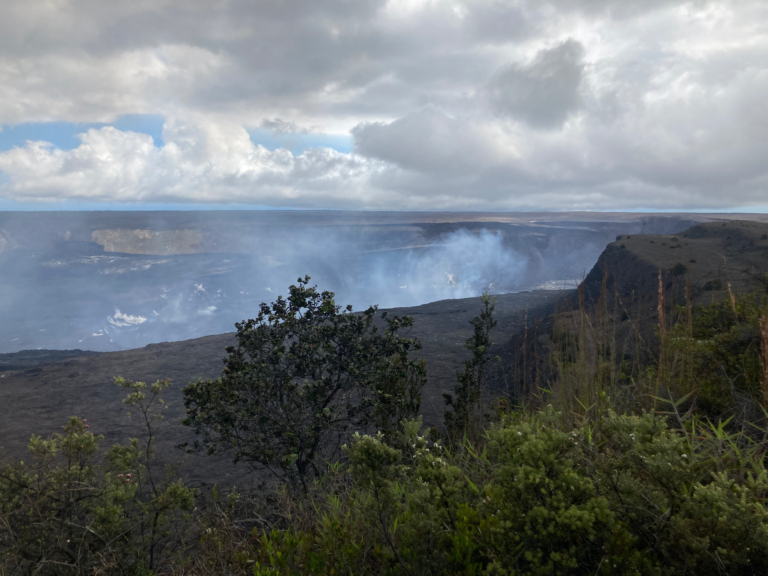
(121, 320)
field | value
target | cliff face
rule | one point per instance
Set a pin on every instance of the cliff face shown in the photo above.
(622, 291)
(707, 256)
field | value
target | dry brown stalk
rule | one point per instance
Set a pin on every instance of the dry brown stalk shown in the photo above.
(662, 332)
(662, 318)
(764, 355)
(733, 298)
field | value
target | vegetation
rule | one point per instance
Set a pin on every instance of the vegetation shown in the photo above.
(69, 512)
(461, 415)
(607, 468)
(304, 376)
(720, 358)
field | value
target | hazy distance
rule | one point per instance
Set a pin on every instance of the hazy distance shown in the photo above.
(118, 280)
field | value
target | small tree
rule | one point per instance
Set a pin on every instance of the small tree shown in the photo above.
(460, 406)
(305, 375)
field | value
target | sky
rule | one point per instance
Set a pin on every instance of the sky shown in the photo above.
(384, 104)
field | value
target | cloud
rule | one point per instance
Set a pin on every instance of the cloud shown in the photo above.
(544, 92)
(201, 162)
(481, 104)
(280, 127)
(431, 141)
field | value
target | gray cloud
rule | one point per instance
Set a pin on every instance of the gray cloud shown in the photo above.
(543, 92)
(282, 127)
(428, 141)
(474, 104)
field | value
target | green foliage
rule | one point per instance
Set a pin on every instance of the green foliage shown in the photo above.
(594, 489)
(70, 512)
(306, 374)
(693, 497)
(460, 407)
(627, 495)
(549, 517)
(618, 494)
(718, 356)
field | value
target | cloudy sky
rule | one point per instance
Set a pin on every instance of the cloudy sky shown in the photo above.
(385, 104)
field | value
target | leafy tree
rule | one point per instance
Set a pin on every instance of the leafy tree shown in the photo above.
(304, 376)
(460, 406)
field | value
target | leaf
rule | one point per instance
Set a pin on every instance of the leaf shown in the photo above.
(471, 484)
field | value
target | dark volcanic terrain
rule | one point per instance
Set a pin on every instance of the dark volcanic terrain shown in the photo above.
(40, 389)
(38, 399)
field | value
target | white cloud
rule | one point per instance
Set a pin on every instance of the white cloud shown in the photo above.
(453, 104)
(199, 162)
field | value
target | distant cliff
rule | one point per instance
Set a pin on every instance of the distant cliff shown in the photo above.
(160, 242)
(184, 232)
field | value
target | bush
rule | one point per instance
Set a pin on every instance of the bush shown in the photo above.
(545, 516)
(711, 493)
(616, 494)
(66, 513)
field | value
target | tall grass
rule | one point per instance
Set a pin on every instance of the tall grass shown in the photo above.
(714, 356)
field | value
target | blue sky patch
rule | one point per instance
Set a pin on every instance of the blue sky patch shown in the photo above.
(298, 143)
(75, 204)
(63, 135)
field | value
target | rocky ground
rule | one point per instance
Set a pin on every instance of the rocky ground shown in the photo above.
(38, 398)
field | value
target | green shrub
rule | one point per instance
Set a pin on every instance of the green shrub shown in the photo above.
(612, 494)
(545, 516)
(721, 355)
(691, 497)
(65, 512)
(615, 495)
